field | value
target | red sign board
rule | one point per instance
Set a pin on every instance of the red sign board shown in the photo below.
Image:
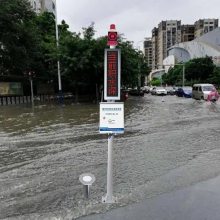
(112, 74)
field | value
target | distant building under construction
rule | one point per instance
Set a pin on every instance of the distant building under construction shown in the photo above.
(40, 6)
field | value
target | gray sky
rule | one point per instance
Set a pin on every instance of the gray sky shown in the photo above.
(134, 18)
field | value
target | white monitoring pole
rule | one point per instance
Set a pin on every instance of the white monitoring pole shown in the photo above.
(58, 61)
(111, 113)
(109, 196)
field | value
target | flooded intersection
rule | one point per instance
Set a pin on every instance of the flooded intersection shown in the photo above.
(166, 146)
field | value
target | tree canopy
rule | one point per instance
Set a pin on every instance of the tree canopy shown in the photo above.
(196, 71)
(19, 48)
(28, 43)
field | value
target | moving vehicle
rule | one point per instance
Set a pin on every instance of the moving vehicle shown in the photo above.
(213, 96)
(158, 91)
(201, 91)
(184, 92)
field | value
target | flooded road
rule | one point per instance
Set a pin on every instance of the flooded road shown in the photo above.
(166, 146)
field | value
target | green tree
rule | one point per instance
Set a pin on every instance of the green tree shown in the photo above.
(174, 76)
(19, 43)
(196, 70)
(45, 24)
(199, 69)
(155, 82)
(134, 65)
(215, 77)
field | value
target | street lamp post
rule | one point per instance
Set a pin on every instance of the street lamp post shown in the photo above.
(58, 61)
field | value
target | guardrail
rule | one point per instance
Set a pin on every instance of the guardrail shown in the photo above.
(14, 100)
(42, 98)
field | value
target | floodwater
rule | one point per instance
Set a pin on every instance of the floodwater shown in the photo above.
(169, 143)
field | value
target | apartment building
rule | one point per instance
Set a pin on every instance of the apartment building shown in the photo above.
(154, 40)
(166, 35)
(203, 26)
(43, 5)
(171, 32)
(187, 32)
(148, 51)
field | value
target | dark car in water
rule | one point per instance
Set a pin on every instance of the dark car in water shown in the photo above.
(184, 92)
(136, 92)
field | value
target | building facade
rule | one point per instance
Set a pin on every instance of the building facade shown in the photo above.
(170, 33)
(154, 40)
(166, 35)
(40, 6)
(203, 26)
(148, 51)
(187, 32)
(36, 5)
(206, 45)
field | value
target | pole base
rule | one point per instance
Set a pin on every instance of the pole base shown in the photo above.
(109, 199)
(60, 97)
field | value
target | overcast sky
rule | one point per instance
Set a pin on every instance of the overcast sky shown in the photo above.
(134, 18)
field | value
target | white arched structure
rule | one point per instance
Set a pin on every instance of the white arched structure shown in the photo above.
(206, 45)
(156, 74)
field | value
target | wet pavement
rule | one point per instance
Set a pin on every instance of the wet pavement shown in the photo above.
(198, 202)
(167, 146)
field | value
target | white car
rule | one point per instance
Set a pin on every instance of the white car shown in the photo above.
(159, 91)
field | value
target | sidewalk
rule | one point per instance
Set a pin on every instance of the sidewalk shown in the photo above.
(197, 202)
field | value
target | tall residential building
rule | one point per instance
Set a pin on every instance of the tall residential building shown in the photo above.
(187, 32)
(203, 26)
(154, 40)
(148, 51)
(169, 33)
(43, 5)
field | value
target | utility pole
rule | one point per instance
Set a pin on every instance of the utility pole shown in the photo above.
(183, 75)
(58, 60)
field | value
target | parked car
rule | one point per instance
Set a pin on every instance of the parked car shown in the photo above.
(136, 92)
(146, 89)
(158, 91)
(171, 90)
(184, 92)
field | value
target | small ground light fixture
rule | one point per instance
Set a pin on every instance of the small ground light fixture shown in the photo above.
(87, 179)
